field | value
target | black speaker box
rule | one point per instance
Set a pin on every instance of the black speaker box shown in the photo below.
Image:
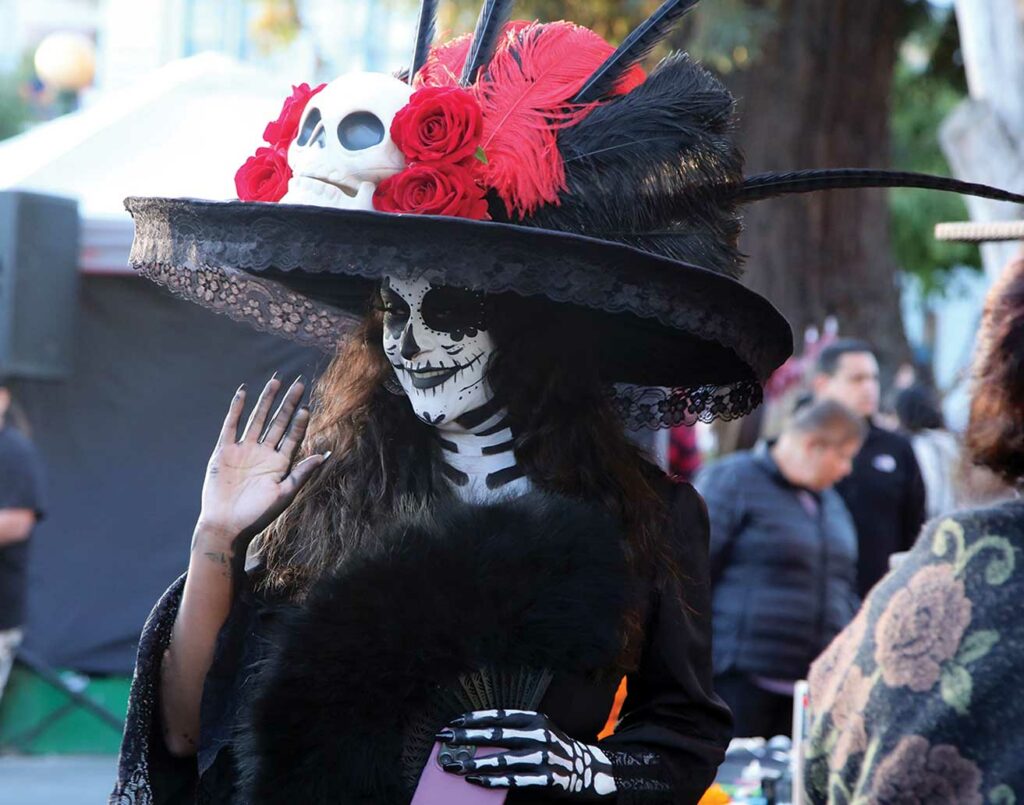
(39, 237)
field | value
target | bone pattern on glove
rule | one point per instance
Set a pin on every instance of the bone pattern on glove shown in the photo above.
(538, 755)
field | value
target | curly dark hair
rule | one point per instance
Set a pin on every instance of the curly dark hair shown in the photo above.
(995, 432)
(385, 460)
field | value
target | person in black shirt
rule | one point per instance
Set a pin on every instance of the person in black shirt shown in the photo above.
(21, 508)
(885, 492)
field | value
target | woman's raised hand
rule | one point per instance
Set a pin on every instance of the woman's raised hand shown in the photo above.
(251, 479)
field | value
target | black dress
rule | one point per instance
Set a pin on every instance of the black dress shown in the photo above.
(666, 748)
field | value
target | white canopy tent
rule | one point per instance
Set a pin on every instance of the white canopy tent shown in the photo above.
(181, 131)
(126, 435)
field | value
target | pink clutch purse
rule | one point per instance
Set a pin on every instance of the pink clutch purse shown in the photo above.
(438, 787)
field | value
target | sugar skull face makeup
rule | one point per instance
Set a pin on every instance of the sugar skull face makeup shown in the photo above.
(436, 338)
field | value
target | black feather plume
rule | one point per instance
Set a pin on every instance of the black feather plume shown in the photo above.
(424, 36)
(769, 185)
(644, 168)
(635, 46)
(485, 37)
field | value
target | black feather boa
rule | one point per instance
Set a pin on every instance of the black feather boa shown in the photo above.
(538, 581)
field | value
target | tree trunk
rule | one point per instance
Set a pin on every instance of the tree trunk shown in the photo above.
(984, 138)
(817, 96)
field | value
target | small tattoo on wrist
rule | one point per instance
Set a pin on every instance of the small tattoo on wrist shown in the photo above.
(221, 559)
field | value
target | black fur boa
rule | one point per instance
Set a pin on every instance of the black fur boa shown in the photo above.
(538, 581)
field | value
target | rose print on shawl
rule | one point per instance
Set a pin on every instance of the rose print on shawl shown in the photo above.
(829, 670)
(917, 772)
(921, 628)
(922, 647)
(848, 715)
(839, 693)
(919, 639)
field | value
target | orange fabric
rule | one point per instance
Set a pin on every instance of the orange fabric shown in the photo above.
(613, 716)
(715, 796)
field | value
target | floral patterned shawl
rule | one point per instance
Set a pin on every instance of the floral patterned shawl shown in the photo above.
(919, 699)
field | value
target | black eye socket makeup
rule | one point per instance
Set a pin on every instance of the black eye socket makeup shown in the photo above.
(459, 312)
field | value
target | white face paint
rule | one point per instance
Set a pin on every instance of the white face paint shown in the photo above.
(435, 337)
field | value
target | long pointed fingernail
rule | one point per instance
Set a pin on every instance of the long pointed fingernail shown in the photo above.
(454, 767)
(444, 735)
(474, 778)
(457, 722)
(297, 380)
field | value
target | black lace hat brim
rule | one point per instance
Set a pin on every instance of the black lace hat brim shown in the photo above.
(307, 273)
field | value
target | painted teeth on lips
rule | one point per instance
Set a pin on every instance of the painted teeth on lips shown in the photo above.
(432, 372)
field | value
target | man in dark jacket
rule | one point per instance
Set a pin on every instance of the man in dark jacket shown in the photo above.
(885, 492)
(20, 507)
(783, 562)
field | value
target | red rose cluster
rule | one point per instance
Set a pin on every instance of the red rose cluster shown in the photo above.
(439, 133)
(265, 175)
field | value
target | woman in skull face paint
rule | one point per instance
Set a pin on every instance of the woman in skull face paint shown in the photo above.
(446, 397)
(452, 394)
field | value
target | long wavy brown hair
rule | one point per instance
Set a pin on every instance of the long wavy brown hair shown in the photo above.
(995, 431)
(384, 460)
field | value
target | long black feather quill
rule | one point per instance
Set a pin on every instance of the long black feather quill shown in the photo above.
(424, 36)
(645, 169)
(633, 48)
(485, 37)
(769, 185)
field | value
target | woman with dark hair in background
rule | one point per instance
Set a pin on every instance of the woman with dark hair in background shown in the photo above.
(916, 700)
(935, 448)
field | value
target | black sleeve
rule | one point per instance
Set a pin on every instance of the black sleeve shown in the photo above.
(147, 772)
(674, 730)
(21, 476)
(913, 502)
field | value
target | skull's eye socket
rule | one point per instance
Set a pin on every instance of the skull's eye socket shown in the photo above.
(308, 126)
(360, 130)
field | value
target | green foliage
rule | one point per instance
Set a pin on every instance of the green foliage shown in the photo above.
(725, 34)
(14, 109)
(923, 94)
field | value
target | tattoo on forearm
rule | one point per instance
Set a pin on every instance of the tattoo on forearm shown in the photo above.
(221, 559)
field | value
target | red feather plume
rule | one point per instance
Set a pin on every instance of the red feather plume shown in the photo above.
(524, 94)
(444, 64)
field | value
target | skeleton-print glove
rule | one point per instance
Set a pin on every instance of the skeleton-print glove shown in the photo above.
(539, 755)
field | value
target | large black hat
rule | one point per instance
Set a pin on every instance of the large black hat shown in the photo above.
(563, 174)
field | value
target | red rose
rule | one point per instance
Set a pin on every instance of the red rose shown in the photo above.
(264, 176)
(280, 133)
(438, 123)
(437, 189)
